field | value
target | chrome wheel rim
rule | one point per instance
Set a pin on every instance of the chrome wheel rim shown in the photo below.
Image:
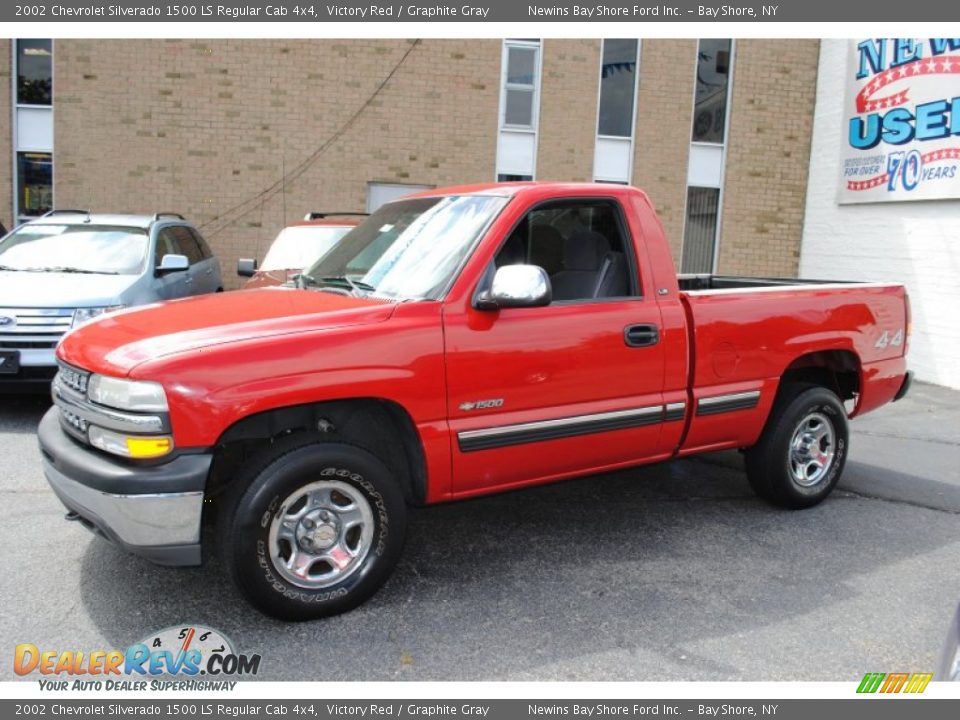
(812, 450)
(321, 534)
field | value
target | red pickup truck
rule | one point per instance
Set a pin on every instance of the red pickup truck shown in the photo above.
(458, 342)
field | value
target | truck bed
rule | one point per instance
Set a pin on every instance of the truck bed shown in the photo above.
(747, 333)
(693, 282)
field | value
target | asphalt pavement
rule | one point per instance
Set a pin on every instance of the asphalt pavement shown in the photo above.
(668, 572)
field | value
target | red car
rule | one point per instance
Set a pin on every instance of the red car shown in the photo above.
(297, 246)
(457, 343)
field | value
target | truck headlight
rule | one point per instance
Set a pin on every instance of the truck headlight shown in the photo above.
(135, 395)
(141, 447)
(85, 315)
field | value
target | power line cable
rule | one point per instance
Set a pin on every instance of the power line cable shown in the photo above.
(268, 192)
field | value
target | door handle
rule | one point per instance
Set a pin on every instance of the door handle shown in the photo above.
(641, 335)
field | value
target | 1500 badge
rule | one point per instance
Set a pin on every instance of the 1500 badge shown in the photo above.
(481, 404)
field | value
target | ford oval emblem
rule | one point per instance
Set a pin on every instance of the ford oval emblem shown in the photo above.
(7, 321)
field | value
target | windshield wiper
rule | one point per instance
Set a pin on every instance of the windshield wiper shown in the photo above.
(302, 280)
(70, 270)
(12, 269)
(339, 282)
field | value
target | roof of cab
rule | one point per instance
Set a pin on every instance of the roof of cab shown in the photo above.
(545, 188)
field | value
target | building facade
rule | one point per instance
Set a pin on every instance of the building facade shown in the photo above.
(897, 238)
(245, 136)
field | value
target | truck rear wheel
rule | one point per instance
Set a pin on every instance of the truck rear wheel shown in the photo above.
(313, 530)
(801, 453)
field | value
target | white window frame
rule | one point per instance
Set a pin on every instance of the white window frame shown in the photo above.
(537, 46)
(15, 107)
(13, 64)
(726, 111)
(404, 188)
(533, 129)
(723, 149)
(633, 119)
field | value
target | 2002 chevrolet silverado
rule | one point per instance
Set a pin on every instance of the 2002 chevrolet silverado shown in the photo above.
(457, 343)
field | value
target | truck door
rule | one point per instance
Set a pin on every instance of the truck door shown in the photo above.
(539, 393)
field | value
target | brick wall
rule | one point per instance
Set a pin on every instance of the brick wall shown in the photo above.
(568, 109)
(662, 141)
(208, 128)
(6, 137)
(200, 127)
(664, 114)
(768, 154)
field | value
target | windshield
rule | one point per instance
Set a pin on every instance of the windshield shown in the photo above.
(409, 249)
(100, 249)
(297, 247)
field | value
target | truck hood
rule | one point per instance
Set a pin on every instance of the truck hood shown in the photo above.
(61, 290)
(118, 342)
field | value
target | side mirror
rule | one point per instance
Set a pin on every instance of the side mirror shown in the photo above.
(517, 286)
(172, 263)
(246, 267)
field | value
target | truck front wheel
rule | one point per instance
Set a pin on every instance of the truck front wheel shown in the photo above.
(312, 530)
(801, 453)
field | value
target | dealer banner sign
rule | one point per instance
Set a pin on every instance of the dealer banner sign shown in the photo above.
(902, 121)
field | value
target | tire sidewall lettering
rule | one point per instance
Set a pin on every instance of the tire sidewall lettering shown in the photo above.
(301, 595)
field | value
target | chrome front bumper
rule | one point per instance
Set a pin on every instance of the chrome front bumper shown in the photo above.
(152, 511)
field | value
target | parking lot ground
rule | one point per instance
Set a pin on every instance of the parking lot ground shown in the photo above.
(666, 572)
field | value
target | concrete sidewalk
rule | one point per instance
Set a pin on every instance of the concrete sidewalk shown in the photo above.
(909, 451)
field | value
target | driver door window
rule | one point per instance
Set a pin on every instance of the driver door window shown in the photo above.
(173, 285)
(166, 245)
(187, 244)
(581, 245)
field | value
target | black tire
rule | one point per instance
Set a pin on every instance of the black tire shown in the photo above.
(768, 463)
(255, 502)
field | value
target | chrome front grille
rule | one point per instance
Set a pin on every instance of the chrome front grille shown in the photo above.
(69, 387)
(74, 421)
(28, 328)
(73, 378)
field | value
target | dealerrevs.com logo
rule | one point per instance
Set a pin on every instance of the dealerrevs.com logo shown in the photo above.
(185, 651)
